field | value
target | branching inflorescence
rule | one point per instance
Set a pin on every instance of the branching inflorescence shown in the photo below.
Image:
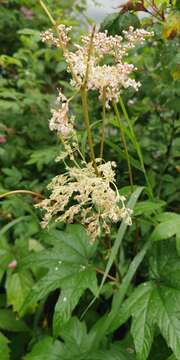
(87, 192)
(80, 195)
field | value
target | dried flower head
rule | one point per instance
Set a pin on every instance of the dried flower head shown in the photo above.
(82, 196)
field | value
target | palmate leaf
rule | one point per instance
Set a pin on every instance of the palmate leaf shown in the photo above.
(156, 303)
(153, 304)
(77, 345)
(72, 290)
(69, 269)
(138, 305)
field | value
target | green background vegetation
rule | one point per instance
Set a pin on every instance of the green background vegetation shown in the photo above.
(136, 314)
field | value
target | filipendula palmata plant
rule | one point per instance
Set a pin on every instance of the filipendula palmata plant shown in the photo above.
(87, 193)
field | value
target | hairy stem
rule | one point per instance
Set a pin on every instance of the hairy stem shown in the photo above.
(124, 144)
(102, 134)
(136, 145)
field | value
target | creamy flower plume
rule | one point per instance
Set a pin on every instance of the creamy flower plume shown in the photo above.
(88, 195)
(80, 195)
(113, 77)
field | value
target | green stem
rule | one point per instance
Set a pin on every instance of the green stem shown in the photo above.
(83, 93)
(136, 145)
(28, 192)
(124, 144)
(89, 55)
(47, 12)
(102, 134)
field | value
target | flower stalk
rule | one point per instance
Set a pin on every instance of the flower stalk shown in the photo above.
(102, 134)
(89, 55)
(84, 99)
(83, 93)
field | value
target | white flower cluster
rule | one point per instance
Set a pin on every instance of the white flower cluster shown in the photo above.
(60, 40)
(80, 195)
(111, 77)
(100, 76)
(60, 121)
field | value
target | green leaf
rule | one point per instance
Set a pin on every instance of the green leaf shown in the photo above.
(77, 345)
(46, 349)
(167, 228)
(167, 302)
(18, 286)
(148, 207)
(138, 306)
(8, 321)
(131, 203)
(178, 243)
(11, 224)
(69, 269)
(155, 303)
(172, 357)
(149, 305)
(166, 216)
(142, 328)
(43, 156)
(116, 352)
(72, 289)
(108, 323)
(4, 349)
(115, 23)
(74, 334)
(165, 264)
